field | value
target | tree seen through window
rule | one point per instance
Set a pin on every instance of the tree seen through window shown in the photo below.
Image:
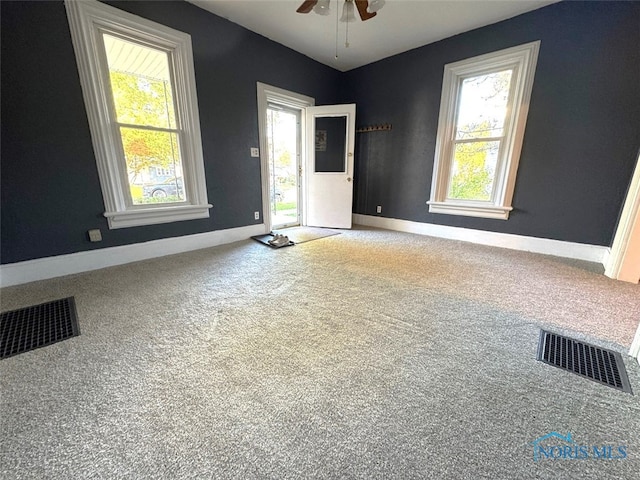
(146, 120)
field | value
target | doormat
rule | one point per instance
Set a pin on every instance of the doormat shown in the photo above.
(306, 234)
(595, 363)
(33, 327)
(265, 240)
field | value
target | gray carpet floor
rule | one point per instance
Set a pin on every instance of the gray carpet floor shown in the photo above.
(370, 354)
(306, 234)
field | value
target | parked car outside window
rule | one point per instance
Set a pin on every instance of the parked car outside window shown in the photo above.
(172, 187)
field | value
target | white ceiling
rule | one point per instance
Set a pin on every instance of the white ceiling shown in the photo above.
(400, 26)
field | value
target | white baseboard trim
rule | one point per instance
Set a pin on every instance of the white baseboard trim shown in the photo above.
(579, 251)
(50, 267)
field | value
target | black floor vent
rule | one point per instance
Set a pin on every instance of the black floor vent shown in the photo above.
(37, 326)
(595, 363)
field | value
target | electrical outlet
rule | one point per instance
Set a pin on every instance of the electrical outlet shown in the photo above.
(255, 152)
(95, 235)
(256, 215)
(379, 209)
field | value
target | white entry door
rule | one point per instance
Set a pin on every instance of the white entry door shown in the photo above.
(329, 172)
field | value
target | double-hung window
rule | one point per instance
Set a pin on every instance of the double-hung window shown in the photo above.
(138, 83)
(483, 113)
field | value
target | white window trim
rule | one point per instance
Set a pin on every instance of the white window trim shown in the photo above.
(86, 17)
(524, 59)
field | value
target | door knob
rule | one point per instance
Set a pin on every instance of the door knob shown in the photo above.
(348, 179)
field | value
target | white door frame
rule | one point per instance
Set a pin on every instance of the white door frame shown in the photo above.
(624, 260)
(266, 94)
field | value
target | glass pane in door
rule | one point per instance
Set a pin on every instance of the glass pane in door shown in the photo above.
(330, 153)
(282, 140)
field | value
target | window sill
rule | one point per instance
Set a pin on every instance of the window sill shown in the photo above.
(153, 216)
(470, 210)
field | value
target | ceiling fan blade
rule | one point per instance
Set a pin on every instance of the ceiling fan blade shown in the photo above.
(307, 6)
(362, 10)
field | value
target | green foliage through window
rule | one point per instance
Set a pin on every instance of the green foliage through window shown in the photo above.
(144, 108)
(471, 179)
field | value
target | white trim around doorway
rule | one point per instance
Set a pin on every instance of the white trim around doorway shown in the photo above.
(266, 94)
(622, 263)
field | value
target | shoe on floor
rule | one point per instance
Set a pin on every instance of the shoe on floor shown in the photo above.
(279, 240)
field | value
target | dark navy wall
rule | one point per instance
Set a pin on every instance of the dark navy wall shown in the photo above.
(581, 142)
(50, 192)
(582, 135)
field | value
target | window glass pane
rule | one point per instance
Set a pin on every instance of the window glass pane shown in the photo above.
(483, 105)
(154, 167)
(140, 83)
(331, 144)
(473, 170)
